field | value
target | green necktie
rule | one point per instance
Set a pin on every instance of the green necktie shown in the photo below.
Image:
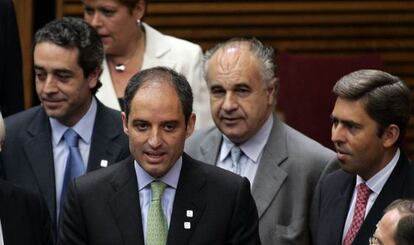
(157, 228)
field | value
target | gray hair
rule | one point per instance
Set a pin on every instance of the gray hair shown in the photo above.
(404, 234)
(265, 56)
(386, 98)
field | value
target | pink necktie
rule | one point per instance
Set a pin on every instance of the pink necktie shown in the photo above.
(363, 193)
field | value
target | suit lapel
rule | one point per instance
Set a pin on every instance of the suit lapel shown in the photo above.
(155, 49)
(338, 211)
(125, 204)
(270, 177)
(102, 146)
(189, 197)
(39, 152)
(210, 147)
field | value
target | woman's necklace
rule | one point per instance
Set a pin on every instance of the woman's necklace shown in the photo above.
(121, 67)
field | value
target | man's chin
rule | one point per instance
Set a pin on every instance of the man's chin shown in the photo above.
(347, 167)
(53, 113)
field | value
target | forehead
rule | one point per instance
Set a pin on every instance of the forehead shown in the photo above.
(353, 110)
(233, 63)
(386, 226)
(157, 100)
(52, 56)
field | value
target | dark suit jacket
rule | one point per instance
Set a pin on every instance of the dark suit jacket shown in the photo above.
(103, 208)
(24, 217)
(27, 156)
(336, 193)
(11, 81)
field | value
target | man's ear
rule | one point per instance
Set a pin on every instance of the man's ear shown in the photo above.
(390, 135)
(125, 123)
(93, 77)
(272, 90)
(190, 125)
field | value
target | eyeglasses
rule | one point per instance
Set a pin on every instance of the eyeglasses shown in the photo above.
(374, 241)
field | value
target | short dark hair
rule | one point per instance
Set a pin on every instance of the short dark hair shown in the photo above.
(70, 33)
(386, 98)
(265, 57)
(160, 75)
(404, 232)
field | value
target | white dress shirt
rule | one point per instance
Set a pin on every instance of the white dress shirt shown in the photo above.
(1, 235)
(375, 184)
(252, 152)
(84, 129)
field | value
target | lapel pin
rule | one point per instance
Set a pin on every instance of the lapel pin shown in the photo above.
(190, 213)
(104, 163)
(187, 225)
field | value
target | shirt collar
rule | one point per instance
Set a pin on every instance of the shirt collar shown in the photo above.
(376, 182)
(170, 178)
(82, 128)
(252, 147)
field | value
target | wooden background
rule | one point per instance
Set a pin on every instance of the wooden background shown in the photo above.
(302, 27)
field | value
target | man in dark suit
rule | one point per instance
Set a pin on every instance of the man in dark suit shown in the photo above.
(24, 218)
(161, 196)
(11, 80)
(67, 59)
(283, 165)
(369, 121)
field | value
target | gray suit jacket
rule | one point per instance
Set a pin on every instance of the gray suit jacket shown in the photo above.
(27, 156)
(288, 172)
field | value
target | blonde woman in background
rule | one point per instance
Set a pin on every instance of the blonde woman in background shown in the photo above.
(131, 45)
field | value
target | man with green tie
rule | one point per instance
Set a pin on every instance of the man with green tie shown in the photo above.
(160, 195)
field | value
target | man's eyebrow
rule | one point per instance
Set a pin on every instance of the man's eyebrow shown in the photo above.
(242, 85)
(60, 70)
(63, 70)
(38, 67)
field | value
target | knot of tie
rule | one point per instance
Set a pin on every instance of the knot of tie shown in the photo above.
(71, 137)
(235, 154)
(157, 189)
(363, 191)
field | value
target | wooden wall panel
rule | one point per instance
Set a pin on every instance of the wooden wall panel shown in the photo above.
(303, 27)
(24, 20)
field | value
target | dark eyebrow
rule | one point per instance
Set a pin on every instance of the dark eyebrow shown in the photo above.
(38, 67)
(138, 121)
(171, 121)
(62, 71)
(216, 86)
(241, 85)
(346, 122)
